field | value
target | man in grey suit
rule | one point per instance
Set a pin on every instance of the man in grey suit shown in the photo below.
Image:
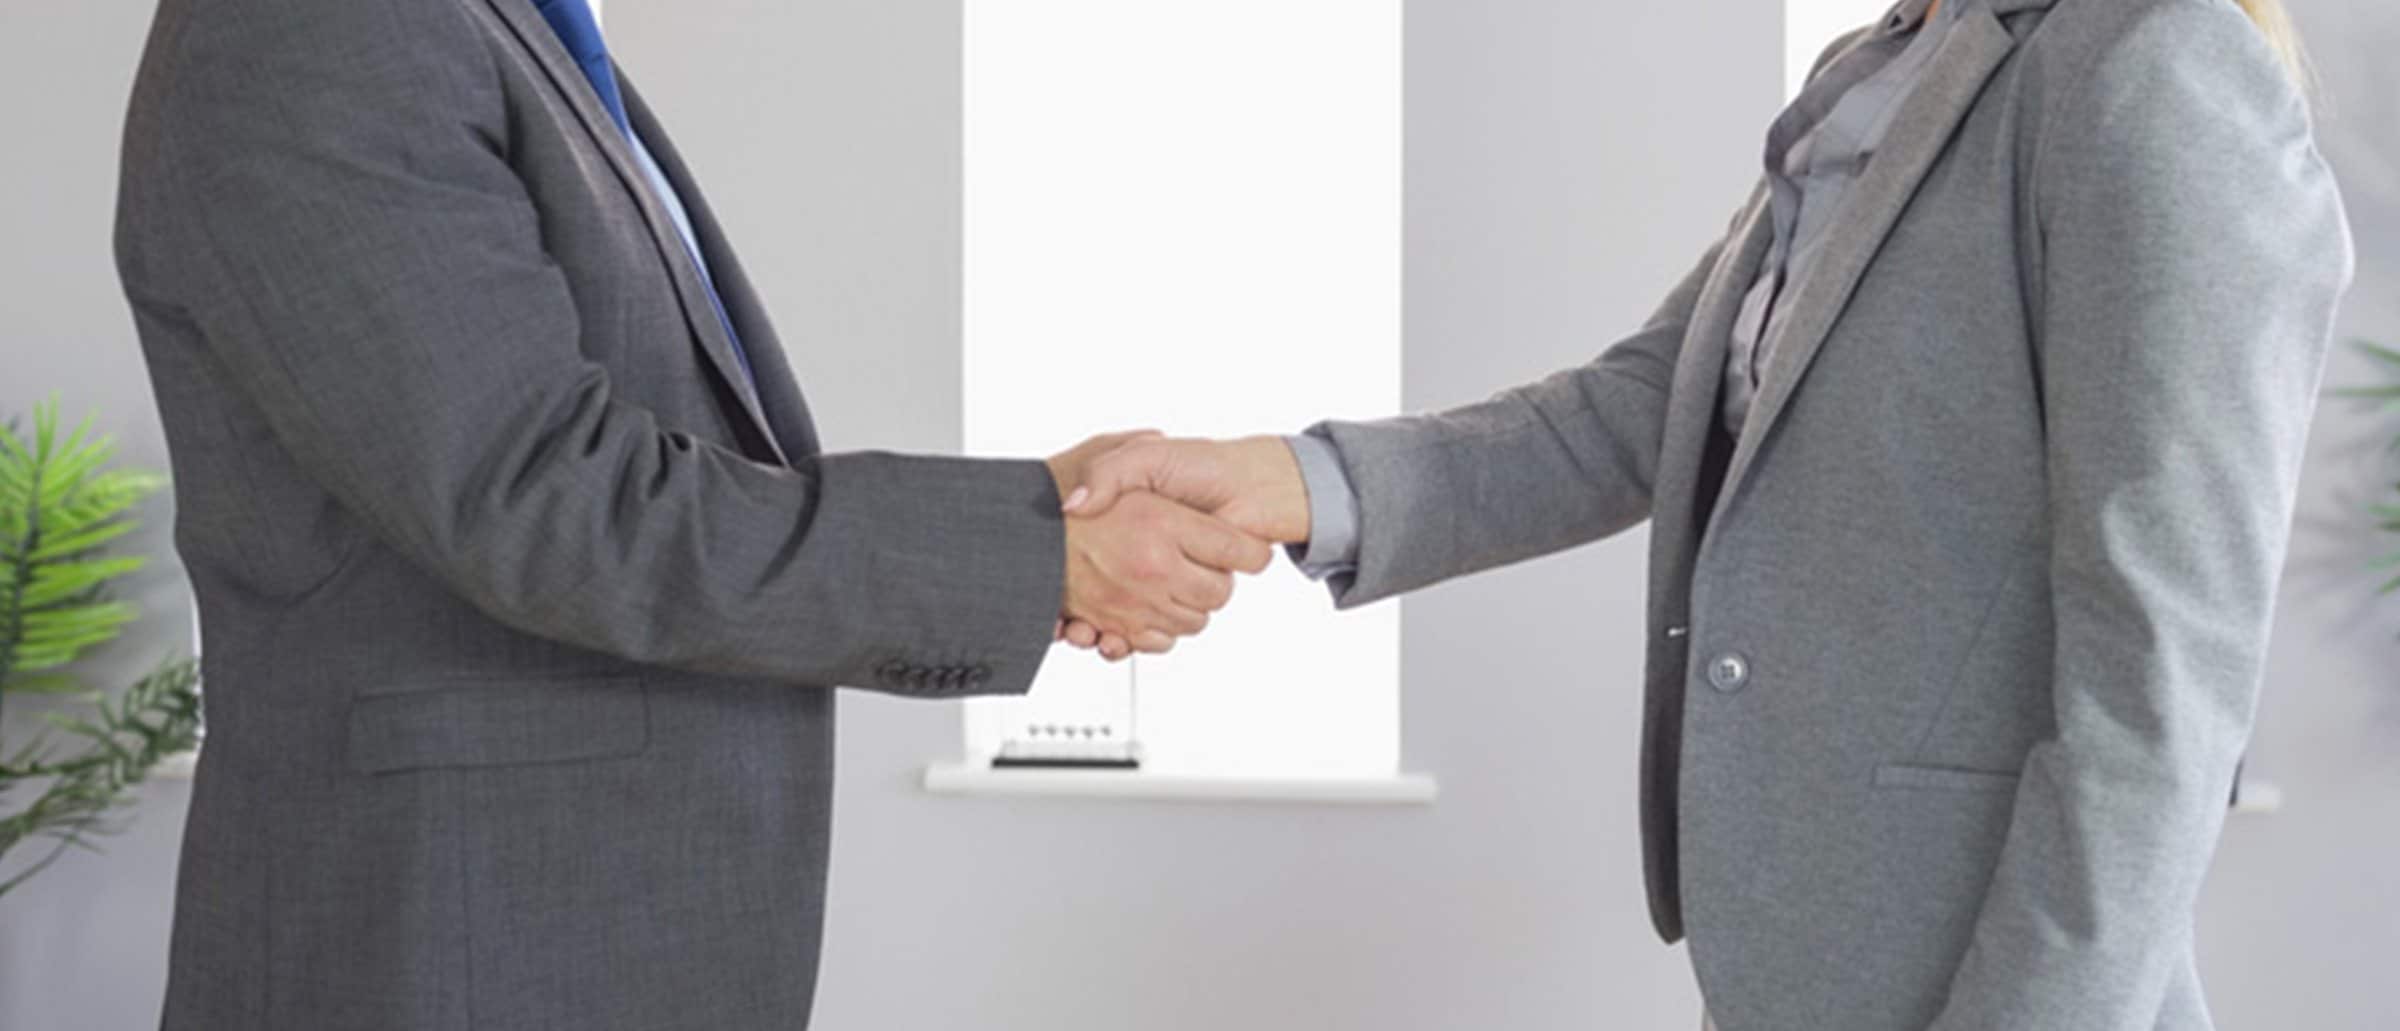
(1969, 456)
(523, 578)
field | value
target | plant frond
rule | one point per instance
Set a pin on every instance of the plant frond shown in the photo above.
(64, 581)
(72, 619)
(122, 742)
(107, 497)
(69, 469)
(48, 684)
(45, 431)
(2381, 352)
(56, 545)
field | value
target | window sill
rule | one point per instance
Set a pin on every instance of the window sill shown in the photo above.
(975, 780)
(2257, 798)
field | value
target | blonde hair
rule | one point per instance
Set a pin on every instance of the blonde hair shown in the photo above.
(2275, 21)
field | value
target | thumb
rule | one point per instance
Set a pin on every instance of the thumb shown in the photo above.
(1105, 479)
(1074, 468)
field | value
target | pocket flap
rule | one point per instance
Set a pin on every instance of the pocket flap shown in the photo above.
(499, 723)
(1943, 778)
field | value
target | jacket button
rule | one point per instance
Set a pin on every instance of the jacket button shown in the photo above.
(1729, 672)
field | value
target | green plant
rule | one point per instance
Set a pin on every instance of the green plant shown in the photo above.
(158, 717)
(60, 507)
(2387, 513)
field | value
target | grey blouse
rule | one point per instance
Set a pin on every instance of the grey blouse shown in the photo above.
(1815, 150)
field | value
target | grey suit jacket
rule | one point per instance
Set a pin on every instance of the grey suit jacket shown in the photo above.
(521, 607)
(1953, 652)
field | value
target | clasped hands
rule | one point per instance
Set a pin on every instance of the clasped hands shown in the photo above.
(1156, 528)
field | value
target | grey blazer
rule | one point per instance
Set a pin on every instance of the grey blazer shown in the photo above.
(1955, 649)
(522, 609)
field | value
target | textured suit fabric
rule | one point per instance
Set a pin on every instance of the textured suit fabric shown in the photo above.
(522, 606)
(1955, 648)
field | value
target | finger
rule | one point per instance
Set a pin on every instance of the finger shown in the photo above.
(1074, 467)
(1199, 587)
(1115, 648)
(1216, 544)
(1132, 467)
(1082, 635)
(1153, 642)
(1098, 491)
(1174, 618)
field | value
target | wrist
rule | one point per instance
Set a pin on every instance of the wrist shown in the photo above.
(1278, 490)
(1062, 476)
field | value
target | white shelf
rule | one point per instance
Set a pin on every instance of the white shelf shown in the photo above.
(2258, 798)
(977, 780)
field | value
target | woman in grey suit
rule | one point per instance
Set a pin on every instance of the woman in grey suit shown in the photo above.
(1970, 454)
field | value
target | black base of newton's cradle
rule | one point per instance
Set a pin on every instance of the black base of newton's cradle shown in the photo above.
(1066, 764)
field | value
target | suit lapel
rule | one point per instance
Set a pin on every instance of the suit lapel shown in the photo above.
(691, 293)
(1919, 134)
(1695, 404)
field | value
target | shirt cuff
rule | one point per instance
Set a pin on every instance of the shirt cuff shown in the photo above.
(1332, 546)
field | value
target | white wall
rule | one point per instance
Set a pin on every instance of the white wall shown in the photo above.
(1566, 160)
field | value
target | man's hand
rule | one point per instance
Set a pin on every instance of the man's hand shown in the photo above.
(1152, 570)
(1254, 484)
(1072, 467)
(1149, 570)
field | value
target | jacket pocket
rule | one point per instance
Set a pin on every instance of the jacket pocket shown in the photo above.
(498, 723)
(1908, 776)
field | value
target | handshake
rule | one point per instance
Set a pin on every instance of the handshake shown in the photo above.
(1156, 528)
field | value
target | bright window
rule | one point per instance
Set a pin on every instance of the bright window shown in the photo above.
(1809, 26)
(1187, 216)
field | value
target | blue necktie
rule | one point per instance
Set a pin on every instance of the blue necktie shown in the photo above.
(573, 22)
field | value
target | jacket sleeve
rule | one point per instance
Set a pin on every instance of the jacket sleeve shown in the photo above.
(2193, 253)
(347, 234)
(1535, 470)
